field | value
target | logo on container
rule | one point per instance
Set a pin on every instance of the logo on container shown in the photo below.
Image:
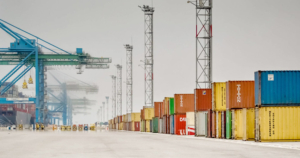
(239, 98)
(181, 101)
(203, 92)
(182, 119)
(182, 132)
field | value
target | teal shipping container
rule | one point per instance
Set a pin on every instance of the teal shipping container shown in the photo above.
(155, 124)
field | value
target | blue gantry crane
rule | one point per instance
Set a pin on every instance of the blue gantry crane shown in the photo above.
(26, 51)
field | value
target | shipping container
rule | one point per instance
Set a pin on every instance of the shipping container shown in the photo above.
(183, 103)
(171, 124)
(166, 106)
(135, 117)
(117, 126)
(123, 118)
(203, 99)
(120, 119)
(147, 125)
(155, 121)
(228, 124)
(219, 96)
(218, 124)
(213, 125)
(148, 112)
(142, 114)
(160, 125)
(168, 125)
(277, 88)
(165, 124)
(223, 126)
(243, 122)
(142, 127)
(151, 126)
(121, 126)
(209, 123)
(162, 110)
(137, 126)
(201, 126)
(240, 94)
(171, 106)
(277, 123)
(180, 124)
(190, 123)
(157, 106)
(129, 117)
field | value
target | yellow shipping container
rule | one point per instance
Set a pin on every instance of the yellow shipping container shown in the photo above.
(120, 126)
(277, 124)
(147, 122)
(243, 121)
(219, 96)
(166, 103)
(218, 124)
(136, 117)
(123, 118)
(149, 114)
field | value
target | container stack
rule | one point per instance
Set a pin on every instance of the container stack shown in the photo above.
(183, 103)
(203, 109)
(171, 111)
(156, 118)
(160, 121)
(166, 116)
(240, 110)
(120, 122)
(277, 100)
(142, 121)
(148, 114)
(134, 121)
(125, 122)
(219, 109)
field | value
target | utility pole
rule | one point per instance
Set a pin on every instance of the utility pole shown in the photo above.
(103, 112)
(148, 61)
(113, 97)
(128, 78)
(203, 43)
(107, 98)
(119, 90)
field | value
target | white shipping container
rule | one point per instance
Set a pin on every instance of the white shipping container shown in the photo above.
(201, 126)
(160, 125)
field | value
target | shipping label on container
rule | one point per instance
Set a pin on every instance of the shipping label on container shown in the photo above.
(240, 94)
(183, 103)
(219, 96)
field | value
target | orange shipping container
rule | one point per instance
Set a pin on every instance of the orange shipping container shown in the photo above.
(203, 99)
(142, 114)
(183, 103)
(157, 109)
(162, 109)
(167, 107)
(240, 94)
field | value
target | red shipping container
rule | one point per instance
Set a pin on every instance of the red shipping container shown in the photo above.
(162, 110)
(240, 94)
(136, 126)
(157, 106)
(168, 124)
(209, 123)
(213, 125)
(203, 99)
(180, 124)
(184, 103)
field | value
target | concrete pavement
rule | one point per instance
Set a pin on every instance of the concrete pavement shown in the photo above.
(115, 144)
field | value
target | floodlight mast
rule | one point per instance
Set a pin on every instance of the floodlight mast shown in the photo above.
(148, 61)
(129, 49)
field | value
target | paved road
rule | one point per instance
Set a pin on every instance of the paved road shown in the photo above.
(116, 144)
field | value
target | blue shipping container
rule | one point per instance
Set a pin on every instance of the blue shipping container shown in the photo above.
(171, 124)
(277, 88)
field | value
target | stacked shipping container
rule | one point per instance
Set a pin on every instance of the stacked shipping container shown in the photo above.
(203, 110)
(219, 109)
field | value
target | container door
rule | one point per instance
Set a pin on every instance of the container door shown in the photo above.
(209, 125)
(205, 130)
(151, 127)
(201, 123)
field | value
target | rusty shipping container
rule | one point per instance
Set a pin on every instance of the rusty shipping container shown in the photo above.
(157, 109)
(164, 126)
(162, 110)
(203, 99)
(240, 94)
(180, 124)
(183, 103)
(209, 123)
(168, 125)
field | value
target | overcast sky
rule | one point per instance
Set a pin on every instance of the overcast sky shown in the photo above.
(247, 36)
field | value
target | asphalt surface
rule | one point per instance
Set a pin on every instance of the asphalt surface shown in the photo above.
(115, 144)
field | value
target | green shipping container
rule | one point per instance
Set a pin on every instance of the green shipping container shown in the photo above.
(155, 124)
(228, 124)
(171, 101)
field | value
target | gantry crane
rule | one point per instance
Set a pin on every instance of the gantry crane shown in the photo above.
(27, 51)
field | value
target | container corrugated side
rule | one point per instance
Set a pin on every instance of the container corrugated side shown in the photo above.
(155, 121)
(201, 126)
(171, 105)
(277, 123)
(184, 103)
(180, 124)
(240, 94)
(243, 122)
(166, 106)
(203, 99)
(136, 117)
(148, 113)
(219, 96)
(190, 118)
(162, 110)
(157, 109)
(277, 88)
(171, 124)
(137, 126)
(147, 125)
